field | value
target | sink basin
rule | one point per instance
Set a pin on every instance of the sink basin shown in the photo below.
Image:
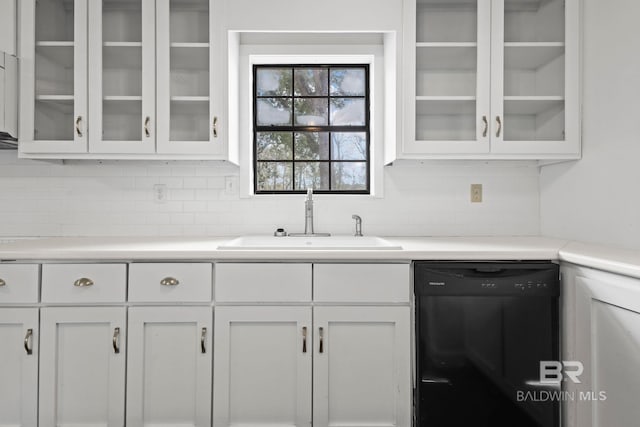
(309, 243)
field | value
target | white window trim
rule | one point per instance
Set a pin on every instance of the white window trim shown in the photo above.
(310, 54)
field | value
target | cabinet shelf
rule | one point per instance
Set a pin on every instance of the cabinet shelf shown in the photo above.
(190, 45)
(446, 44)
(54, 98)
(55, 43)
(190, 98)
(445, 98)
(122, 44)
(122, 98)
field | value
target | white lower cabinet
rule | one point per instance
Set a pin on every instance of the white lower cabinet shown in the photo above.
(607, 342)
(18, 367)
(336, 360)
(169, 366)
(82, 366)
(262, 366)
(361, 372)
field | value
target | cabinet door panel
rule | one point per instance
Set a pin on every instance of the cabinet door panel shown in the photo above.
(362, 375)
(185, 60)
(262, 371)
(607, 343)
(122, 76)
(53, 77)
(18, 370)
(448, 66)
(82, 366)
(169, 366)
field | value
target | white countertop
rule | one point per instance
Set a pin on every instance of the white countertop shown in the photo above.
(181, 248)
(413, 248)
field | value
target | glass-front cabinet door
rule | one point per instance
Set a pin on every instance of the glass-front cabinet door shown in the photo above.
(186, 123)
(122, 76)
(452, 65)
(534, 76)
(491, 79)
(53, 99)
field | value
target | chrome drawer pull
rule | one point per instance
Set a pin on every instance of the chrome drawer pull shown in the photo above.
(499, 126)
(203, 341)
(486, 126)
(116, 339)
(3, 283)
(28, 348)
(83, 282)
(321, 334)
(169, 281)
(214, 126)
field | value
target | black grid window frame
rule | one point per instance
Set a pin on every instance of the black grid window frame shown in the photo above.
(293, 128)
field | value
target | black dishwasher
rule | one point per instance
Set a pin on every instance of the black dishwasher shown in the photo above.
(482, 329)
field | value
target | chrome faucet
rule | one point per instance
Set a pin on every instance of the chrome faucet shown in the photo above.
(308, 219)
(358, 232)
(308, 212)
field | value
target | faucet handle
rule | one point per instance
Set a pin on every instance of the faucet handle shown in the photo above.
(309, 193)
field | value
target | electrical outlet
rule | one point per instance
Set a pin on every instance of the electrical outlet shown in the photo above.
(231, 185)
(160, 193)
(476, 193)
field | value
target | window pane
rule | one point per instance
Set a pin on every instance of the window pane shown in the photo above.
(348, 176)
(312, 146)
(347, 112)
(274, 146)
(273, 81)
(311, 111)
(310, 82)
(274, 111)
(312, 175)
(274, 176)
(349, 146)
(347, 82)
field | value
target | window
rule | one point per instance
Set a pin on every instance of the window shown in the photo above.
(311, 128)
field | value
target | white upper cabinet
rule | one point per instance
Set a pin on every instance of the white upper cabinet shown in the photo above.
(491, 79)
(119, 80)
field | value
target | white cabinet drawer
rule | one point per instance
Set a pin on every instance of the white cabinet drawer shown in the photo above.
(263, 282)
(19, 283)
(379, 283)
(80, 283)
(171, 282)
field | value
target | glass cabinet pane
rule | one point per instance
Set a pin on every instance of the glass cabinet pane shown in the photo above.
(189, 117)
(446, 70)
(54, 71)
(121, 70)
(534, 70)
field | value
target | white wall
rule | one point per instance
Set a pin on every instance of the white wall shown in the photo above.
(596, 199)
(116, 198)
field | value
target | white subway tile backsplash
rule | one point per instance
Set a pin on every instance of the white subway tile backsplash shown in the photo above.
(114, 198)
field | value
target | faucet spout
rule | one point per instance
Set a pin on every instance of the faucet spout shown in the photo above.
(308, 212)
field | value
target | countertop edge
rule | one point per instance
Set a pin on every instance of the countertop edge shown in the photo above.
(157, 249)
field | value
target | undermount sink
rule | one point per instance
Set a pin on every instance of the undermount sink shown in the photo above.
(309, 243)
